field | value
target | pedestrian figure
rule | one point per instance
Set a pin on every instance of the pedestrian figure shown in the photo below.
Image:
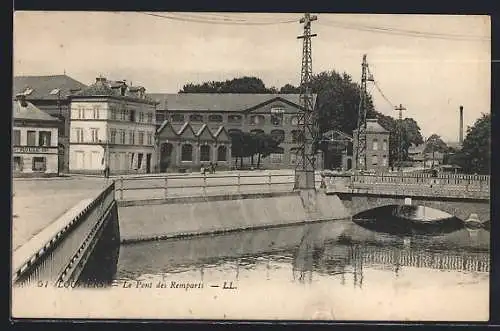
(203, 169)
(211, 168)
(106, 172)
(215, 166)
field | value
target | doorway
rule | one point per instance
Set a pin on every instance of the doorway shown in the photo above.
(148, 163)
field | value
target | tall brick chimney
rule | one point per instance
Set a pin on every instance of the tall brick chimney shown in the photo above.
(461, 129)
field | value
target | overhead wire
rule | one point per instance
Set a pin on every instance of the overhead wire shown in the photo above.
(216, 21)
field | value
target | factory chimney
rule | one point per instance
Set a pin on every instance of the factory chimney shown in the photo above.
(461, 129)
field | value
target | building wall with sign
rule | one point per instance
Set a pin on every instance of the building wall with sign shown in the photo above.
(34, 142)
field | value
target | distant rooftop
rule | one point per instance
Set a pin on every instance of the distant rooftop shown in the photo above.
(49, 87)
(372, 126)
(25, 110)
(105, 87)
(218, 101)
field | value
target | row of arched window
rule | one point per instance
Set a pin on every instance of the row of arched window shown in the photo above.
(276, 119)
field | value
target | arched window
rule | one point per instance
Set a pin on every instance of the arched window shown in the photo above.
(187, 153)
(278, 135)
(205, 153)
(166, 149)
(177, 118)
(384, 146)
(257, 120)
(215, 118)
(196, 118)
(294, 120)
(234, 118)
(222, 153)
(277, 115)
(375, 144)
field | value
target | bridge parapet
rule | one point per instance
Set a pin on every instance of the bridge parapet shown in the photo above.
(449, 186)
(59, 253)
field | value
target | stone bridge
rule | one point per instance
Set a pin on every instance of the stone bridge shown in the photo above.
(458, 195)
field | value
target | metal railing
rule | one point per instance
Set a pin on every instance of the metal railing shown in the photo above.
(59, 252)
(166, 186)
(446, 185)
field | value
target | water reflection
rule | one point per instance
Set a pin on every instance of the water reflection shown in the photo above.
(340, 249)
(408, 220)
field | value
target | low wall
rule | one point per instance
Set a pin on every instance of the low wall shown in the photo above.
(229, 213)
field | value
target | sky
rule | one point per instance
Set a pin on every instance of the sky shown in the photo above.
(417, 60)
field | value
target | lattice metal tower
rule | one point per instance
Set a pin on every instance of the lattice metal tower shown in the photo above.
(360, 148)
(306, 151)
(400, 126)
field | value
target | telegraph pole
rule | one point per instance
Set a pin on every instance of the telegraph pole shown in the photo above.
(306, 152)
(400, 109)
(360, 161)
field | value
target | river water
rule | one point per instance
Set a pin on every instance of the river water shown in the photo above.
(329, 270)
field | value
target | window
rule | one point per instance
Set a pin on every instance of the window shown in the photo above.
(234, 118)
(277, 116)
(297, 136)
(384, 160)
(39, 164)
(139, 160)
(95, 112)
(278, 135)
(18, 163)
(131, 137)
(122, 136)
(141, 117)
(257, 120)
(123, 114)
(31, 138)
(276, 158)
(196, 118)
(141, 138)
(215, 118)
(150, 118)
(384, 145)
(113, 136)
(374, 160)
(187, 153)
(205, 153)
(150, 139)
(131, 117)
(375, 144)
(113, 113)
(177, 118)
(94, 135)
(81, 112)
(221, 153)
(79, 135)
(295, 120)
(16, 137)
(44, 138)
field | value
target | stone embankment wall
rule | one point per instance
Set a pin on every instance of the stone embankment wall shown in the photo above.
(230, 213)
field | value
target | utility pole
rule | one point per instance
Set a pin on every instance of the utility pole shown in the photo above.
(360, 148)
(306, 152)
(400, 109)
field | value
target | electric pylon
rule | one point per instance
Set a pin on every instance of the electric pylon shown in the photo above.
(400, 109)
(360, 148)
(306, 151)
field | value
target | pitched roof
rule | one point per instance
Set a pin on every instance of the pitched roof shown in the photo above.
(30, 112)
(42, 86)
(104, 87)
(197, 133)
(373, 126)
(218, 101)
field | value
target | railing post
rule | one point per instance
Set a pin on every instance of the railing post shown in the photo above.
(239, 182)
(121, 187)
(269, 182)
(166, 186)
(204, 183)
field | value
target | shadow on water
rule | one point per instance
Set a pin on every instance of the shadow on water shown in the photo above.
(408, 220)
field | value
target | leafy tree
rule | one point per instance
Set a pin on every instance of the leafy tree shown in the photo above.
(475, 155)
(244, 84)
(289, 89)
(435, 144)
(245, 144)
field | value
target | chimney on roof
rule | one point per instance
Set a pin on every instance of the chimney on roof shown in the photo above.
(21, 97)
(461, 128)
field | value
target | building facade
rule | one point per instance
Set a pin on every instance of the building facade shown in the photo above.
(188, 150)
(34, 141)
(273, 114)
(112, 126)
(377, 146)
(51, 95)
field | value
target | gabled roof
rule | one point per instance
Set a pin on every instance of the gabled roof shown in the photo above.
(204, 128)
(221, 133)
(30, 112)
(42, 86)
(218, 101)
(166, 124)
(103, 87)
(185, 127)
(372, 126)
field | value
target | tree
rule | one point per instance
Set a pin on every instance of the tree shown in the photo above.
(245, 144)
(289, 89)
(244, 84)
(475, 155)
(435, 144)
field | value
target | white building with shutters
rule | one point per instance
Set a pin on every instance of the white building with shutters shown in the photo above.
(112, 125)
